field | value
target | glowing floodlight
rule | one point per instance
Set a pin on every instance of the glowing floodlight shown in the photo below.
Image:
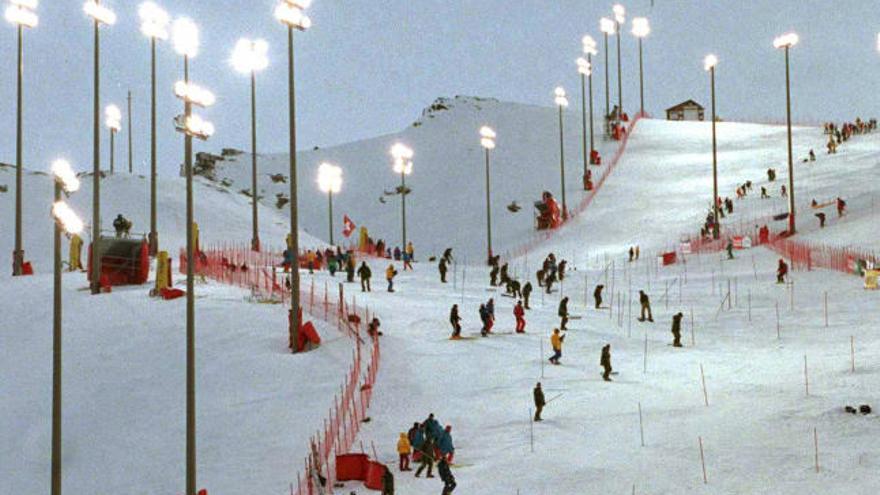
(607, 26)
(292, 13)
(641, 27)
(329, 178)
(195, 94)
(584, 66)
(185, 36)
(21, 13)
(590, 47)
(154, 21)
(561, 99)
(67, 218)
(710, 62)
(250, 56)
(65, 175)
(787, 40)
(402, 155)
(100, 13)
(487, 137)
(113, 118)
(619, 14)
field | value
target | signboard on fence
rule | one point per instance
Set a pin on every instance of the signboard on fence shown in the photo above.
(871, 277)
(686, 248)
(742, 242)
(669, 258)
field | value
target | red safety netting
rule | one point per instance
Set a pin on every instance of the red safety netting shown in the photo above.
(263, 275)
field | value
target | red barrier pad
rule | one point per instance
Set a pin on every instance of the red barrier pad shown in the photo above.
(351, 467)
(375, 472)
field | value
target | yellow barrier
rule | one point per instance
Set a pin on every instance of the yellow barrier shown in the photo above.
(871, 279)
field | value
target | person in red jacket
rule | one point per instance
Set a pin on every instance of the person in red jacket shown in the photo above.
(781, 271)
(519, 313)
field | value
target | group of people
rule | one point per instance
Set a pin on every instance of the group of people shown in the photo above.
(551, 272)
(426, 443)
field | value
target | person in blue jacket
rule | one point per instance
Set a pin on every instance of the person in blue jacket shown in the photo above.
(432, 427)
(444, 443)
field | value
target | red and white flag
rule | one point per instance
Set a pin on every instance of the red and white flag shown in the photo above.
(347, 226)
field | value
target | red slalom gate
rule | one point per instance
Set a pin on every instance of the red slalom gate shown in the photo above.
(258, 271)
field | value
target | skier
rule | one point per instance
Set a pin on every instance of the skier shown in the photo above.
(638, 253)
(548, 281)
(764, 194)
(390, 273)
(812, 155)
(455, 321)
(526, 292)
(411, 251)
(427, 458)
(646, 307)
(729, 249)
(490, 307)
(310, 260)
(783, 191)
(519, 313)
(407, 261)
(562, 266)
(771, 175)
(605, 362)
(503, 277)
(446, 477)
(493, 276)
(442, 267)
(365, 273)
(513, 288)
(676, 329)
(632, 254)
(404, 449)
(597, 295)
(332, 265)
(821, 217)
(563, 313)
(444, 443)
(540, 276)
(556, 341)
(781, 271)
(538, 394)
(447, 255)
(486, 320)
(841, 207)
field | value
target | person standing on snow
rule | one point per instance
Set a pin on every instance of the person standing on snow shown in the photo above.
(503, 277)
(442, 268)
(597, 295)
(411, 251)
(365, 273)
(563, 313)
(729, 249)
(493, 276)
(632, 254)
(455, 320)
(646, 307)
(427, 459)
(390, 273)
(562, 266)
(444, 443)
(841, 207)
(526, 292)
(556, 341)
(404, 449)
(490, 307)
(416, 436)
(538, 394)
(781, 271)
(605, 362)
(446, 477)
(350, 264)
(676, 329)
(485, 319)
(447, 255)
(407, 261)
(519, 313)
(387, 483)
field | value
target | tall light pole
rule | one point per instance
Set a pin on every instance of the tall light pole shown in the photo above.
(65, 220)
(100, 15)
(785, 42)
(130, 139)
(562, 102)
(586, 69)
(292, 14)
(487, 141)
(330, 182)
(113, 121)
(607, 27)
(185, 37)
(709, 64)
(619, 20)
(21, 14)
(249, 57)
(154, 25)
(640, 29)
(403, 165)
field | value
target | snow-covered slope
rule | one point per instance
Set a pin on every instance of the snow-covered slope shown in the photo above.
(222, 215)
(447, 204)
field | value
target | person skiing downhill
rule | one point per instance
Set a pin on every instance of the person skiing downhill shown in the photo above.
(645, 302)
(455, 320)
(390, 273)
(563, 313)
(597, 295)
(605, 362)
(676, 329)
(519, 313)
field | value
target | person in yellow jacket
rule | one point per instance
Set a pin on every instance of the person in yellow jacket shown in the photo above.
(556, 341)
(390, 273)
(310, 258)
(404, 449)
(76, 244)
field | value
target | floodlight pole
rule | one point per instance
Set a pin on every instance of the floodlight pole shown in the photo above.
(488, 209)
(255, 237)
(18, 252)
(130, 151)
(294, 224)
(190, 302)
(792, 229)
(584, 121)
(154, 234)
(607, 92)
(56, 356)
(562, 164)
(590, 90)
(330, 222)
(619, 76)
(716, 229)
(112, 151)
(96, 161)
(403, 201)
(641, 80)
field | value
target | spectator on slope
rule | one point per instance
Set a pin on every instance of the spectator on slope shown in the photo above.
(432, 428)
(490, 307)
(503, 277)
(416, 436)
(486, 320)
(812, 156)
(597, 295)
(561, 269)
(446, 477)
(373, 328)
(493, 275)
(427, 457)
(513, 288)
(447, 255)
(771, 175)
(549, 279)
(455, 321)
(841, 207)
(332, 265)
(538, 395)
(645, 303)
(390, 273)
(411, 251)
(526, 292)
(729, 248)
(407, 261)
(638, 252)
(310, 260)
(605, 362)
(350, 264)
(781, 271)
(442, 268)
(821, 217)
(444, 443)
(404, 449)
(539, 275)
(632, 254)
(520, 314)
(676, 329)
(365, 274)
(563, 313)
(387, 483)
(556, 341)
(783, 191)
(764, 194)
(397, 253)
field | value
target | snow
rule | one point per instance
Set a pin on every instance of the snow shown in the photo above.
(258, 405)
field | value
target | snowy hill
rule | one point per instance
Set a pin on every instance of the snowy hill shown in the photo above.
(447, 204)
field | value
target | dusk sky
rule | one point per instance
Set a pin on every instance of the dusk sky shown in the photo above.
(369, 68)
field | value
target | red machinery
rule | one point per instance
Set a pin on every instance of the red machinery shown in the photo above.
(122, 261)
